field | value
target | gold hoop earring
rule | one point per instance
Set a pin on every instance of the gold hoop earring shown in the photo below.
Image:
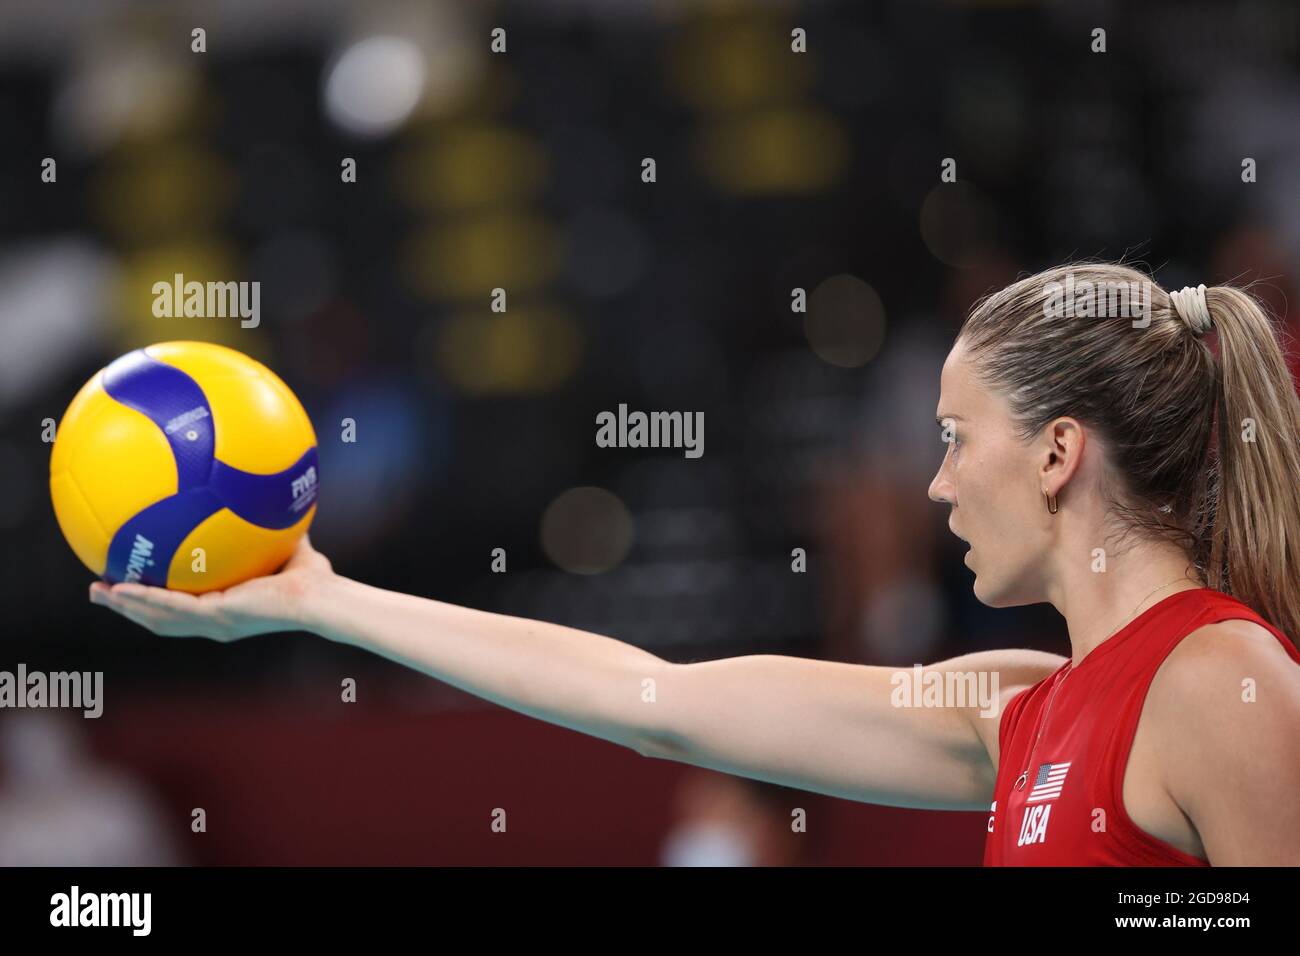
(1051, 503)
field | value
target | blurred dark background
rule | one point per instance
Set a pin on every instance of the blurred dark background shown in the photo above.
(522, 170)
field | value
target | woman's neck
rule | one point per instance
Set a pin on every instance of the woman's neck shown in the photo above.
(1098, 603)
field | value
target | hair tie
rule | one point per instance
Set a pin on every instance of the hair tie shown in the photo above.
(1190, 305)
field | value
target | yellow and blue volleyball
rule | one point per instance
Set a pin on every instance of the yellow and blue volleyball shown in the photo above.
(184, 465)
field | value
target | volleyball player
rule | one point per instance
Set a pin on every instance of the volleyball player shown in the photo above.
(1142, 476)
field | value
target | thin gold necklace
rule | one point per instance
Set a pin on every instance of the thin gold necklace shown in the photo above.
(1133, 614)
(1042, 723)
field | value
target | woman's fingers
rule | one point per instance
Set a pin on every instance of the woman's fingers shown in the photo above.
(170, 613)
(176, 601)
(256, 606)
(134, 613)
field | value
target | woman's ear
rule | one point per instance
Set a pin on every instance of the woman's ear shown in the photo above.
(1062, 452)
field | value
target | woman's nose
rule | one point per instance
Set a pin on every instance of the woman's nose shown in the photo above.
(940, 488)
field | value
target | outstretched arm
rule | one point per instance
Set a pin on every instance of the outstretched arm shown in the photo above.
(817, 725)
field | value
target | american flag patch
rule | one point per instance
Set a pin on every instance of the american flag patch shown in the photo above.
(1048, 783)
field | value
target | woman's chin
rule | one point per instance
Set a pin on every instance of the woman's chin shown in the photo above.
(991, 593)
(985, 589)
(982, 595)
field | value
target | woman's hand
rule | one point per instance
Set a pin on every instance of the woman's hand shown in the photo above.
(276, 602)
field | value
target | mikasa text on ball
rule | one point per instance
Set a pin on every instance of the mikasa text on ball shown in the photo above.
(184, 465)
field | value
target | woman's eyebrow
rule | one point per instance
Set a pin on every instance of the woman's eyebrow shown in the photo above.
(942, 420)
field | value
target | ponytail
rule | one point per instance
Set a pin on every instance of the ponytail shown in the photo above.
(1250, 534)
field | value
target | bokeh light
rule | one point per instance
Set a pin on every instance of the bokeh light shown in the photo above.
(374, 85)
(845, 323)
(587, 530)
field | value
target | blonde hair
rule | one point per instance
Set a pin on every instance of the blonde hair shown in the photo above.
(1202, 449)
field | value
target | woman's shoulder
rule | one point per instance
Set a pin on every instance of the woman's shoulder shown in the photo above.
(1241, 643)
(1223, 710)
(1221, 685)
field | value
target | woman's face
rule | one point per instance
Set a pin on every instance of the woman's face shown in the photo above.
(992, 481)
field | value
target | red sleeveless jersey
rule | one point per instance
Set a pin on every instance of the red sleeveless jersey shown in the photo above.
(1084, 727)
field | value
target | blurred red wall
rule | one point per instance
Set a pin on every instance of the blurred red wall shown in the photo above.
(317, 784)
